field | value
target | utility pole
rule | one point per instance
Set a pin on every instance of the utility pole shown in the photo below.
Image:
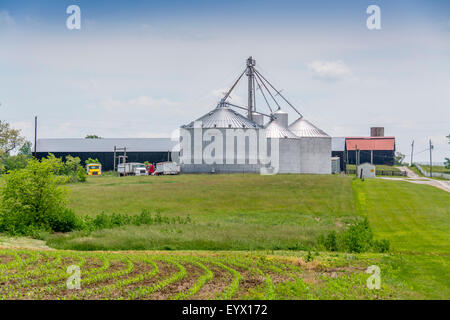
(251, 86)
(412, 152)
(35, 136)
(431, 160)
(115, 149)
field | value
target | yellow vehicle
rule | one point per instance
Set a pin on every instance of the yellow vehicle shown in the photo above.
(94, 169)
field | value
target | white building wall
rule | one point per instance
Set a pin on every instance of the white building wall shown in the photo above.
(315, 155)
(289, 155)
(241, 162)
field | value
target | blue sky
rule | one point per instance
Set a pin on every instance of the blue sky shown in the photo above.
(143, 68)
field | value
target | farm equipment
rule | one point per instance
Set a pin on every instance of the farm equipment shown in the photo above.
(131, 169)
(167, 168)
(150, 169)
(94, 169)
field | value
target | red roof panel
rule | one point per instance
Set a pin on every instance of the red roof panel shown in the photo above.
(370, 143)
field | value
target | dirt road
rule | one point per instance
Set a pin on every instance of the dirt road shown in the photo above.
(415, 178)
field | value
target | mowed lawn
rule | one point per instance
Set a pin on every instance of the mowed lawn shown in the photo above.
(416, 220)
(414, 217)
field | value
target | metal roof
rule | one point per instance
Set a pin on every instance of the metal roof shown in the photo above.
(224, 117)
(338, 144)
(106, 145)
(303, 128)
(276, 131)
(370, 143)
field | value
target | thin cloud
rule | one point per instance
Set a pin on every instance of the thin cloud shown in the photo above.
(329, 70)
(6, 19)
(140, 103)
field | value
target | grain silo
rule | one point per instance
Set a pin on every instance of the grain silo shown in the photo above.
(288, 143)
(315, 147)
(222, 140)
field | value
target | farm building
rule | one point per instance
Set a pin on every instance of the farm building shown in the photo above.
(137, 150)
(222, 121)
(315, 150)
(375, 150)
(298, 148)
(227, 141)
(288, 143)
(338, 150)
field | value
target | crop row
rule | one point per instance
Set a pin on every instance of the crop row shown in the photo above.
(28, 274)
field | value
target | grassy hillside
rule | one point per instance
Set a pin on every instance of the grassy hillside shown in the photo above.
(228, 212)
(264, 213)
(441, 169)
(203, 195)
(413, 217)
(416, 219)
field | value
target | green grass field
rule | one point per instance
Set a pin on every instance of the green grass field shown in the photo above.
(269, 221)
(228, 212)
(440, 169)
(378, 167)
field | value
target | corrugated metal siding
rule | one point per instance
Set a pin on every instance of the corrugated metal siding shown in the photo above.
(224, 117)
(105, 145)
(303, 128)
(372, 143)
(276, 131)
(107, 158)
(338, 144)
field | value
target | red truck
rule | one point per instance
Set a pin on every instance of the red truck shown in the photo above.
(150, 169)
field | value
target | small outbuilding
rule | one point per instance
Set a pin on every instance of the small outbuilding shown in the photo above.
(366, 170)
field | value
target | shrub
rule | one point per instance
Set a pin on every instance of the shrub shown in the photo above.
(10, 163)
(71, 168)
(91, 160)
(32, 199)
(381, 246)
(64, 221)
(357, 238)
(330, 241)
(81, 175)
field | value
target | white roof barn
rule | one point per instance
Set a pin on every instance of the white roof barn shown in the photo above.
(105, 145)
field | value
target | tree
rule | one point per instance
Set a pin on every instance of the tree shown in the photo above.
(9, 163)
(92, 136)
(91, 160)
(398, 159)
(25, 149)
(19, 161)
(10, 138)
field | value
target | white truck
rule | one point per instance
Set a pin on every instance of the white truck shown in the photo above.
(131, 169)
(168, 167)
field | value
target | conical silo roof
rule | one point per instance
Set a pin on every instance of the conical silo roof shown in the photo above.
(224, 117)
(281, 117)
(303, 128)
(275, 131)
